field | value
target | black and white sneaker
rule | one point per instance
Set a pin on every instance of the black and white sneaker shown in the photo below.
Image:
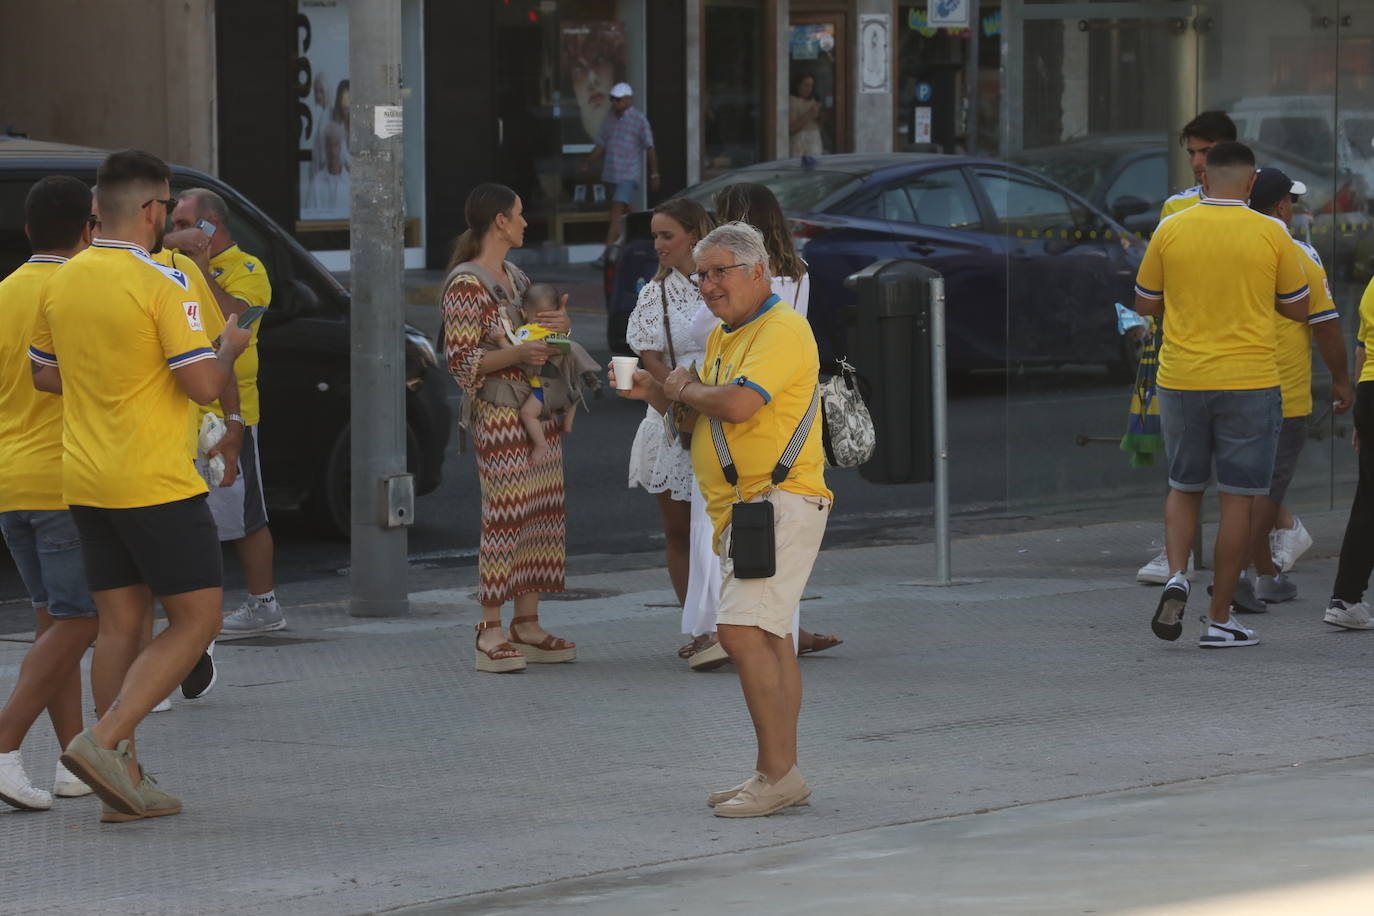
(1225, 635)
(202, 676)
(1168, 619)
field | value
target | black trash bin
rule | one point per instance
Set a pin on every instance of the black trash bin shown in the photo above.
(892, 352)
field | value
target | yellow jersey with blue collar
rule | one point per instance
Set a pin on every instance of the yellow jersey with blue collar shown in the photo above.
(30, 420)
(1293, 351)
(1177, 203)
(774, 354)
(118, 324)
(1220, 266)
(242, 276)
(1365, 337)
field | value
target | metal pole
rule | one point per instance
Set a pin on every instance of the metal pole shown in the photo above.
(378, 413)
(971, 81)
(938, 397)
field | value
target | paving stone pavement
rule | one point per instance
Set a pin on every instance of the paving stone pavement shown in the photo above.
(353, 766)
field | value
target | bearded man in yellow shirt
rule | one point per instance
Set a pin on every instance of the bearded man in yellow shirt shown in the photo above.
(122, 338)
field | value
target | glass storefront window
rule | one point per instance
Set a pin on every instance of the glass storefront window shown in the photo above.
(556, 63)
(816, 86)
(732, 84)
(932, 90)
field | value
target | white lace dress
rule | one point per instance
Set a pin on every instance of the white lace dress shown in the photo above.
(655, 464)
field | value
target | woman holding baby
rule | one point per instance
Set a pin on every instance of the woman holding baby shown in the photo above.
(522, 549)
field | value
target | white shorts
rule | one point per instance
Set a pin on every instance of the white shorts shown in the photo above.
(798, 527)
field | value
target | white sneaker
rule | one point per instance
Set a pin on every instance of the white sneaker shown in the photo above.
(253, 618)
(1287, 544)
(66, 785)
(1157, 571)
(1225, 635)
(164, 706)
(15, 788)
(1348, 616)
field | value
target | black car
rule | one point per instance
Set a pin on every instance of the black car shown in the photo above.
(1032, 271)
(303, 348)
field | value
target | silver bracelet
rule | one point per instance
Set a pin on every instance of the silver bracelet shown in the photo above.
(234, 418)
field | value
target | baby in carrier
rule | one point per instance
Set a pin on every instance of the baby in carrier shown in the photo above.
(572, 363)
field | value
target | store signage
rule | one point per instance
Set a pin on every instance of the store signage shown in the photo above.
(949, 14)
(875, 63)
(923, 121)
(924, 92)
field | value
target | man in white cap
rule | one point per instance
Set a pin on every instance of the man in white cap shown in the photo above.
(624, 138)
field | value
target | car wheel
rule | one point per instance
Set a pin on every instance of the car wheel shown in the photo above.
(1123, 370)
(329, 506)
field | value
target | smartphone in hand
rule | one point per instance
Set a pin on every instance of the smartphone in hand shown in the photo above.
(250, 315)
(204, 225)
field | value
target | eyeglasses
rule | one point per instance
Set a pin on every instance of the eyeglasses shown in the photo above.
(714, 274)
(170, 203)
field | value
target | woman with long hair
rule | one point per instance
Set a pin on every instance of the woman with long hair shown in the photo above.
(754, 204)
(522, 551)
(660, 331)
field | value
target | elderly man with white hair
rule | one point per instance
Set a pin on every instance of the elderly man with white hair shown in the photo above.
(756, 453)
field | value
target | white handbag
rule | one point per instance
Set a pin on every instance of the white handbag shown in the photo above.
(846, 427)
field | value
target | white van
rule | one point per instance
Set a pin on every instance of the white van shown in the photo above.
(1310, 127)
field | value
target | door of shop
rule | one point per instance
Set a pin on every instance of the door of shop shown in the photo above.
(818, 84)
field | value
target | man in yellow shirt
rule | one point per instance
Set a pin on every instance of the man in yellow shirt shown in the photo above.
(33, 518)
(1347, 608)
(756, 416)
(1216, 273)
(122, 338)
(1274, 194)
(1197, 137)
(238, 281)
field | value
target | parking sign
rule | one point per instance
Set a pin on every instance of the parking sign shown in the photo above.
(948, 14)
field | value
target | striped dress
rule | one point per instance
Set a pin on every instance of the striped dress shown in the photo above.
(523, 544)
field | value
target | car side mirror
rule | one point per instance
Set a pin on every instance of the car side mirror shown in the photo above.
(304, 300)
(1128, 206)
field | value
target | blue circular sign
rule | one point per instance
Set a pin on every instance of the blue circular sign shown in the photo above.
(923, 92)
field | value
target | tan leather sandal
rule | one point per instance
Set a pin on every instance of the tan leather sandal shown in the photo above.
(549, 651)
(502, 659)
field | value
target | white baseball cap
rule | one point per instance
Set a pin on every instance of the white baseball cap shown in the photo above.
(621, 91)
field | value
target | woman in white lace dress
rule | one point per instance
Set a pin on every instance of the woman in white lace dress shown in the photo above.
(660, 332)
(753, 204)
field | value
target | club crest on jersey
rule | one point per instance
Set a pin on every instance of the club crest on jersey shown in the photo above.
(193, 315)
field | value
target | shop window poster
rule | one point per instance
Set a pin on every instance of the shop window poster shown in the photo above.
(593, 60)
(322, 66)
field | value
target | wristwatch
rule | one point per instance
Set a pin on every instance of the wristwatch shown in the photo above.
(233, 417)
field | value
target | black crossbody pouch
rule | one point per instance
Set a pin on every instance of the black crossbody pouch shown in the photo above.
(751, 540)
(753, 549)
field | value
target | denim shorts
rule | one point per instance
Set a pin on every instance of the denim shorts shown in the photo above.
(624, 192)
(47, 550)
(1292, 437)
(1235, 432)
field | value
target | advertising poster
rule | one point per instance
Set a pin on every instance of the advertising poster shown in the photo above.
(322, 66)
(593, 60)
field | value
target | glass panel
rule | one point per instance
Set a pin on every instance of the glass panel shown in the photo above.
(732, 69)
(796, 189)
(813, 73)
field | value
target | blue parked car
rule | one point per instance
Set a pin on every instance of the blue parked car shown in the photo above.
(1031, 269)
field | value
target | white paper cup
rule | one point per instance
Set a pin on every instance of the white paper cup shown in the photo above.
(624, 367)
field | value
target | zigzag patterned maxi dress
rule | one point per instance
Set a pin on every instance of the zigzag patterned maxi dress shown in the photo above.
(523, 544)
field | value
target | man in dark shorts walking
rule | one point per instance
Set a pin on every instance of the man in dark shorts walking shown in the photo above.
(122, 338)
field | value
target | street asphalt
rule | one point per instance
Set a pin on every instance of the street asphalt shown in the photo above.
(1015, 743)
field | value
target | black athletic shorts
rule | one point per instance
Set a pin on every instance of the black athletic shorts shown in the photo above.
(171, 548)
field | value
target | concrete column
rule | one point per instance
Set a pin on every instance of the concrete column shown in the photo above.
(779, 145)
(189, 82)
(872, 110)
(1013, 80)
